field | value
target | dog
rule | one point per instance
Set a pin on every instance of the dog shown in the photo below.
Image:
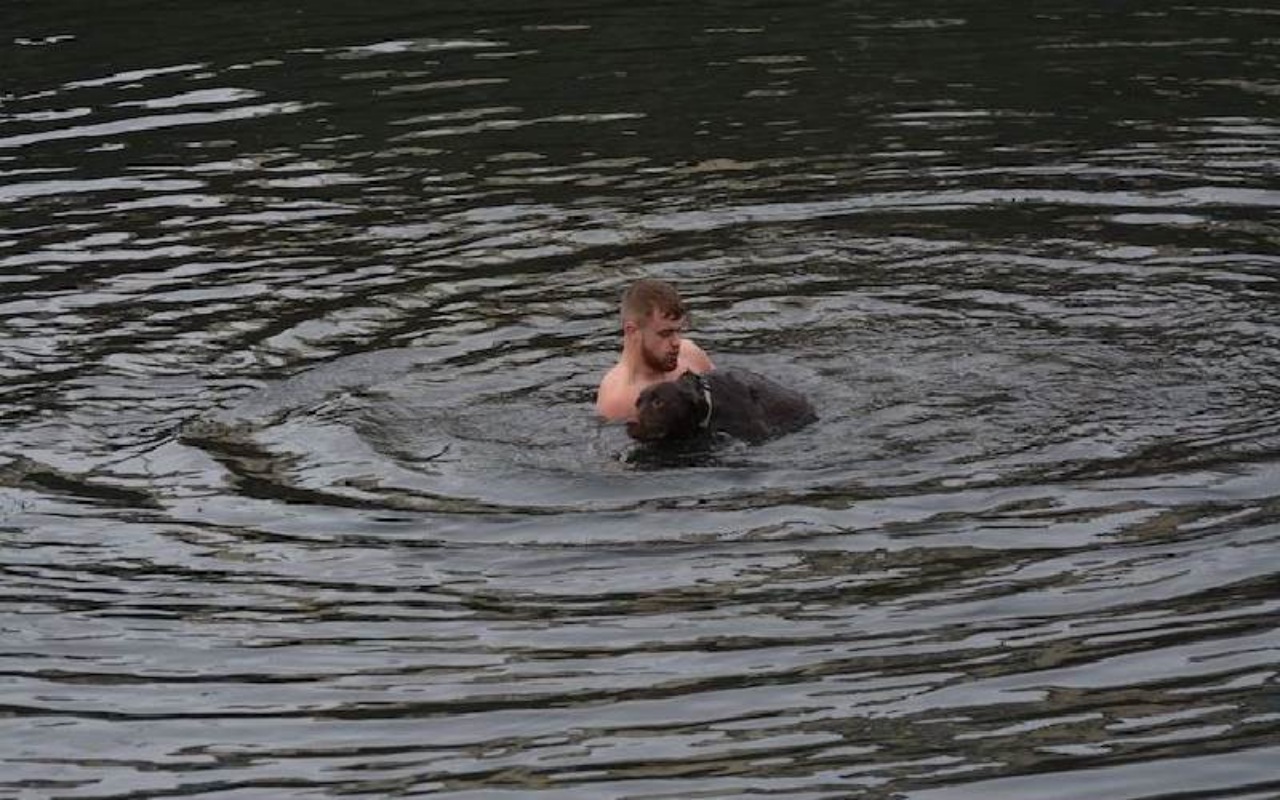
(738, 402)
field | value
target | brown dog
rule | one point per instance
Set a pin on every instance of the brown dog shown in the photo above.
(733, 401)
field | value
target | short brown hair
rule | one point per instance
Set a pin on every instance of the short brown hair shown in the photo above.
(647, 295)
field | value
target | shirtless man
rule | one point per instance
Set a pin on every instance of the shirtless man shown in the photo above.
(653, 348)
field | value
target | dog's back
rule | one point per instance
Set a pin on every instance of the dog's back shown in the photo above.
(750, 406)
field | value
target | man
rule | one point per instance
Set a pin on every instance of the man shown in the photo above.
(653, 348)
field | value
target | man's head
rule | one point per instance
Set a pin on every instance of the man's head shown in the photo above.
(653, 321)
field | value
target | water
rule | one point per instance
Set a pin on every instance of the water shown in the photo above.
(303, 309)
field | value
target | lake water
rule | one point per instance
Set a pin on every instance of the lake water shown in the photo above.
(303, 306)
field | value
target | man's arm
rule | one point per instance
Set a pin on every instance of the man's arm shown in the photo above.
(611, 402)
(695, 357)
(610, 409)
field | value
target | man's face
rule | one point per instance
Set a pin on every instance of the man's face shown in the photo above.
(660, 340)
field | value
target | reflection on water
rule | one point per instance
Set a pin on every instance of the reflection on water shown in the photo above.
(301, 494)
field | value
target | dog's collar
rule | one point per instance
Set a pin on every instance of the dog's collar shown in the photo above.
(705, 386)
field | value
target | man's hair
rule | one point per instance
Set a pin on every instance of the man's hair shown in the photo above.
(647, 295)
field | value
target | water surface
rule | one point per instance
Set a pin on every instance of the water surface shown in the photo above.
(302, 313)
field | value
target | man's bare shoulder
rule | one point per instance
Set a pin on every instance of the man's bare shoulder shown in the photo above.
(694, 357)
(613, 395)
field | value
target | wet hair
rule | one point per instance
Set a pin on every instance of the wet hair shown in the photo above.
(648, 295)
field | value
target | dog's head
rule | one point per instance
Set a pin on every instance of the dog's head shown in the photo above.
(669, 410)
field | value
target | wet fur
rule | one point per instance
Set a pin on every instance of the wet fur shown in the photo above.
(744, 404)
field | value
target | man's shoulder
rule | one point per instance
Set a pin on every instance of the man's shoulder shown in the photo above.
(612, 380)
(611, 395)
(694, 357)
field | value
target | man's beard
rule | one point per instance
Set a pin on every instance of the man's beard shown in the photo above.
(662, 363)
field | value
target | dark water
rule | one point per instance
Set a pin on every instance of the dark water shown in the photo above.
(303, 306)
